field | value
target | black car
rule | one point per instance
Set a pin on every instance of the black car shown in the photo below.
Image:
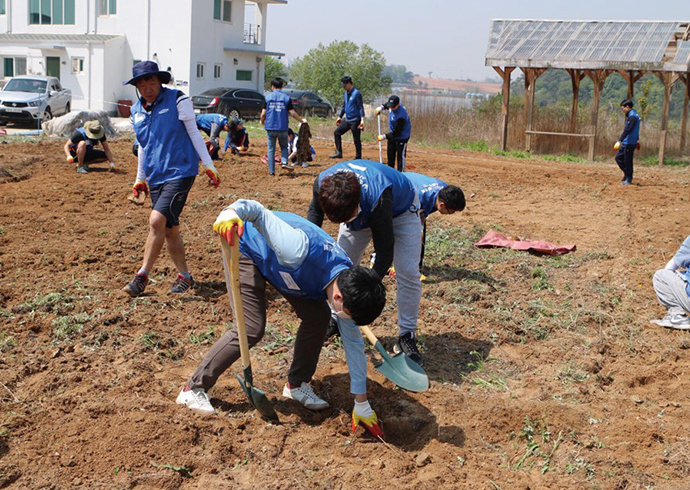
(309, 104)
(233, 102)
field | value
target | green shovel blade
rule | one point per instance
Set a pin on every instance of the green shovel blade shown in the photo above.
(402, 370)
(257, 398)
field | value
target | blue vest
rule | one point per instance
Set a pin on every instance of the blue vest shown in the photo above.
(168, 151)
(353, 105)
(634, 135)
(324, 262)
(427, 189)
(394, 116)
(375, 178)
(277, 111)
(89, 141)
(204, 121)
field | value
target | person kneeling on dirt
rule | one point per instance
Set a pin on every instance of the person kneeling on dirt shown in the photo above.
(372, 201)
(434, 195)
(80, 146)
(671, 287)
(293, 148)
(212, 124)
(237, 139)
(314, 275)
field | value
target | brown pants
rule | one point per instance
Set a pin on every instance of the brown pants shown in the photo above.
(314, 316)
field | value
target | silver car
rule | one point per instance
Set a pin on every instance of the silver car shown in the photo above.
(33, 99)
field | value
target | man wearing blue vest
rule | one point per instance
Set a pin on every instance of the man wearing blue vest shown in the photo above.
(434, 195)
(353, 110)
(212, 124)
(312, 272)
(170, 146)
(274, 117)
(628, 141)
(373, 202)
(400, 128)
(81, 146)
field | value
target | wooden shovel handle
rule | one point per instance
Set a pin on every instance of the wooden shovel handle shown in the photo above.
(369, 334)
(231, 267)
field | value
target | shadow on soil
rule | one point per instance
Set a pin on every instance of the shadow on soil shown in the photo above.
(442, 273)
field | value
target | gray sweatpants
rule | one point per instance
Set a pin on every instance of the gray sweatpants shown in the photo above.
(407, 231)
(670, 289)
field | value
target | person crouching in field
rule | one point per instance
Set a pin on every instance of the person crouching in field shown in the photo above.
(671, 287)
(314, 275)
(628, 141)
(237, 139)
(80, 146)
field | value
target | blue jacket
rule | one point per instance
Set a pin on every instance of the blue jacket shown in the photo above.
(323, 263)
(400, 114)
(168, 151)
(631, 132)
(237, 139)
(427, 189)
(353, 106)
(277, 111)
(375, 178)
(204, 121)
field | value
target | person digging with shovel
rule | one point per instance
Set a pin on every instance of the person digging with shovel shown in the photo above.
(314, 275)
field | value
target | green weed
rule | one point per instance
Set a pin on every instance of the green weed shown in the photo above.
(150, 340)
(49, 303)
(203, 337)
(6, 343)
(538, 444)
(69, 327)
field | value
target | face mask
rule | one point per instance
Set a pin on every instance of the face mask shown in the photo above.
(340, 314)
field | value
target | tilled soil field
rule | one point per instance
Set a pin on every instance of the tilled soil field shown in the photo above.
(545, 373)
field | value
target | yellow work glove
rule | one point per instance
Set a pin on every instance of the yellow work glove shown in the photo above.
(227, 224)
(617, 145)
(381, 137)
(364, 415)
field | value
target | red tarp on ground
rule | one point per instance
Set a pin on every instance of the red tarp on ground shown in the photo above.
(496, 239)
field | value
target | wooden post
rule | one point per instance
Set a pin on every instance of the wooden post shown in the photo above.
(666, 79)
(598, 78)
(531, 74)
(505, 110)
(684, 121)
(575, 79)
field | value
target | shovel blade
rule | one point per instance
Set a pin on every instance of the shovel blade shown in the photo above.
(258, 398)
(402, 371)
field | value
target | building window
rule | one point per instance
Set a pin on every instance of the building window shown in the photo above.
(244, 75)
(77, 65)
(3, 11)
(216, 9)
(200, 70)
(217, 71)
(51, 12)
(14, 67)
(222, 10)
(107, 7)
(227, 11)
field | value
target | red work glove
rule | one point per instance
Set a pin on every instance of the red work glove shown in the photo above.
(638, 146)
(228, 224)
(363, 414)
(140, 186)
(214, 178)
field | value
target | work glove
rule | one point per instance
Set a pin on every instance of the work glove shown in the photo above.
(361, 125)
(671, 265)
(242, 148)
(338, 121)
(378, 110)
(381, 137)
(617, 145)
(112, 167)
(304, 121)
(638, 146)
(70, 159)
(214, 178)
(140, 186)
(363, 414)
(227, 224)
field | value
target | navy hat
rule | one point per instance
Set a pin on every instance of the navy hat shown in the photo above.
(145, 69)
(393, 101)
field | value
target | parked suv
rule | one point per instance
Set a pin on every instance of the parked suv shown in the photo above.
(309, 104)
(233, 102)
(33, 99)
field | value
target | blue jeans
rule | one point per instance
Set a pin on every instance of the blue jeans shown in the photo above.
(282, 137)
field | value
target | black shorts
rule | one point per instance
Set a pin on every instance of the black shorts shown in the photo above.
(91, 154)
(169, 199)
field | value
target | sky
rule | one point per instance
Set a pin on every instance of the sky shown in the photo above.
(445, 37)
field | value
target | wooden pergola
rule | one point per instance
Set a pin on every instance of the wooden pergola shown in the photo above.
(593, 49)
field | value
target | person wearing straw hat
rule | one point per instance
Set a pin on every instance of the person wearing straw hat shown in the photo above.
(80, 146)
(170, 147)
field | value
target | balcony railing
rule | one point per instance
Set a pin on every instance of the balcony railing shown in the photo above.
(252, 34)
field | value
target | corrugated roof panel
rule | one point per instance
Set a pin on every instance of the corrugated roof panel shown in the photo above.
(683, 54)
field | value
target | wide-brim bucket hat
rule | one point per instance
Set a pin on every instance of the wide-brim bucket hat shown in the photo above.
(145, 69)
(94, 130)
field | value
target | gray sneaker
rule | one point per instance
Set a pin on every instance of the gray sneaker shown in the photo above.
(677, 322)
(82, 170)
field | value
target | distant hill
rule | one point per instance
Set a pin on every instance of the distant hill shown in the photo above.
(457, 85)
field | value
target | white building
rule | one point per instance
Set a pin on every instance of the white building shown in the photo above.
(91, 45)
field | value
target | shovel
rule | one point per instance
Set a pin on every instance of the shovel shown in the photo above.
(378, 117)
(399, 369)
(256, 397)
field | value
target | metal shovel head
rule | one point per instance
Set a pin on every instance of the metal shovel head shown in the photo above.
(402, 370)
(257, 398)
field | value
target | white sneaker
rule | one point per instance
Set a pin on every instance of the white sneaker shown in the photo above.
(306, 396)
(196, 399)
(677, 322)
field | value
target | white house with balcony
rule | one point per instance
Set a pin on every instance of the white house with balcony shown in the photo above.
(91, 45)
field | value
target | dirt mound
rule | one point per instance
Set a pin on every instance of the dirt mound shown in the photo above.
(544, 371)
(17, 170)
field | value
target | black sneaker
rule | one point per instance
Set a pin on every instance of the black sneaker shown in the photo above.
(137, 286)
(407, 344)
(336, 155)
(181, 285)
(332, 329)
